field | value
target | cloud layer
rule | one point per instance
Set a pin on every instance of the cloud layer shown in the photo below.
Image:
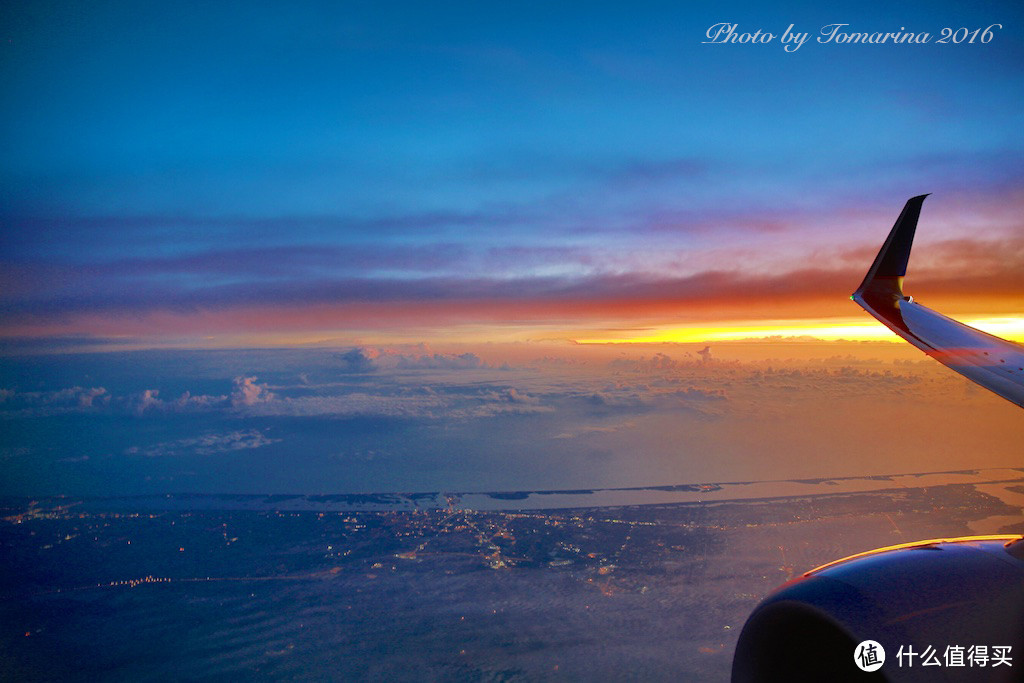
(419, 419)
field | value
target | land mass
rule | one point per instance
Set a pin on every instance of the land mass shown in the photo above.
(262, 588)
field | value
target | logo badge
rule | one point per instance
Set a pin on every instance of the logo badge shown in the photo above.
(869, 655)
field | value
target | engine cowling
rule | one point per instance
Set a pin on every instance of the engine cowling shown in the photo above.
(941, 593)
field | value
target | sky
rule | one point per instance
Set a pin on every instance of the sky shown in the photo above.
(235, 175)
(337, 247)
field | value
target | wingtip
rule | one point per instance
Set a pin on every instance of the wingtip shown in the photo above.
(882, 287)
(892, 258)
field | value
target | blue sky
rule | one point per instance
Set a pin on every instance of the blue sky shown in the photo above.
(188, 155)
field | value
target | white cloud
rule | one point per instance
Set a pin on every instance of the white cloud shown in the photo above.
(511, 395)
(187, 400)
(697, 394)
(149, 400)
(596, 429)
(248, 393)
(140, 403)
(462, 361)
(71, 397)
(357, 403)
(206, 444)
(358, 360)
(368, 359)
(87, 397)
(424, 402)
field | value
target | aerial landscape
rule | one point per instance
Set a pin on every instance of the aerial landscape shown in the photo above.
(413, 341)
(293, 587)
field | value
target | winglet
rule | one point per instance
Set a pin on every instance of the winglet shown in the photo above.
(882, 287)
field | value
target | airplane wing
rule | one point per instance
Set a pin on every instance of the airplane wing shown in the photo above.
(837, 622)
(994, 363)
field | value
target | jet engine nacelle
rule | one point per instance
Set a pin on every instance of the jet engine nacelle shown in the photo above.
(945, 593)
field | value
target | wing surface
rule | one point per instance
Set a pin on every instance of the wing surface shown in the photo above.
(992, 362)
